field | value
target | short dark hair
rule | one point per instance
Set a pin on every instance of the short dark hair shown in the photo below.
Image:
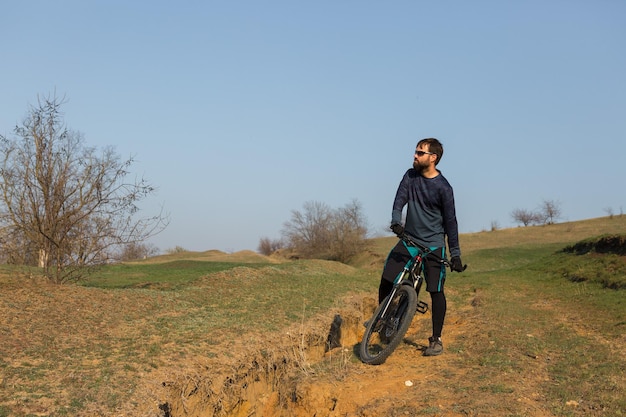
(434, 146)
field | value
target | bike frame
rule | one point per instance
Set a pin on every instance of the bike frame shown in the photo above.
(412, 273)
(408, 276)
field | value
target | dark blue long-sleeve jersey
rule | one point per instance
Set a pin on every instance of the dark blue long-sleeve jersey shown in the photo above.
(431, 215)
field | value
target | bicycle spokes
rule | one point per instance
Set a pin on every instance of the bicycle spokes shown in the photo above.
(391, 321)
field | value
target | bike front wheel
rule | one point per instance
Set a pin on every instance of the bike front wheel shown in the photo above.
(390, 322)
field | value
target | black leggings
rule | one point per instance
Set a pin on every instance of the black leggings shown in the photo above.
(438, 310)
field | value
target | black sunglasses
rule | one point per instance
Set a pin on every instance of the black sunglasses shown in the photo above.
(422, 153)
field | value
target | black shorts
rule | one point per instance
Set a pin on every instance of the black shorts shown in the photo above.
(434, 271)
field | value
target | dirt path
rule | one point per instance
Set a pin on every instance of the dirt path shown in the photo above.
(411, 384)
(406, 384)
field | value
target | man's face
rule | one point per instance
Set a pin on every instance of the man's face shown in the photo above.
(422, 157)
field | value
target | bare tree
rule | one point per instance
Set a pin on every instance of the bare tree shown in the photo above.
(321, 232)
(64, 206)
(348, 231)
(268, 246)
(308, 231)
(525, 217)
(550, 211)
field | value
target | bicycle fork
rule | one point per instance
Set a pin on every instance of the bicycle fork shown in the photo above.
(388, 323)
(422, 307)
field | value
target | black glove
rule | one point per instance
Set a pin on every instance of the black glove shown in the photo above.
(456, 264)
(397, 229)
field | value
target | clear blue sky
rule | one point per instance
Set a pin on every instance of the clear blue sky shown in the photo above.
(242, 111)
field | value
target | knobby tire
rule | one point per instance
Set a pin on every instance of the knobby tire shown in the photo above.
(384, 333)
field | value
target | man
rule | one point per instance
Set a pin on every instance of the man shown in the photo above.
(430, 218)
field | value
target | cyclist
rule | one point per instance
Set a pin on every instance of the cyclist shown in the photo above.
(430, 218)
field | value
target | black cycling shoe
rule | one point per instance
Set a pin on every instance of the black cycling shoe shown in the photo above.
(435, 347)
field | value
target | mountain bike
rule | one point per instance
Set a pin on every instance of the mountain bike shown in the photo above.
(392, 318)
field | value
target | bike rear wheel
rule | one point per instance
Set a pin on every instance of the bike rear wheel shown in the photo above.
(388, 326)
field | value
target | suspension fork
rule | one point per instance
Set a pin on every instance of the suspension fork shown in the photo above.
(418, 280)
(389, 298)
(396, 284)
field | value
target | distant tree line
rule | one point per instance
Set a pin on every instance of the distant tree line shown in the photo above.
(548, 213)
(321, 232)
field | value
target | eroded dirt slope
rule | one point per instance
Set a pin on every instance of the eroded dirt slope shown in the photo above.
(293, 381)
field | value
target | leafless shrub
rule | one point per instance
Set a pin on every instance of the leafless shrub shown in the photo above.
(268, 246)
(137, 250)
(175, 250)
(550, 211)
(525, 217)
(321, 232)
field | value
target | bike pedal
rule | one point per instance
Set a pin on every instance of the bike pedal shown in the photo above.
(422, 307)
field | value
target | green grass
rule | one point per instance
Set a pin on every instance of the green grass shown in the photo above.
(533, 313)
(239, 298)
(169, 275)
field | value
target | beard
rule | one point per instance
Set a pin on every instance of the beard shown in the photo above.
(417, 166)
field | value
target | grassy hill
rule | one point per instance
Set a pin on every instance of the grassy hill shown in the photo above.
(535, 327)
